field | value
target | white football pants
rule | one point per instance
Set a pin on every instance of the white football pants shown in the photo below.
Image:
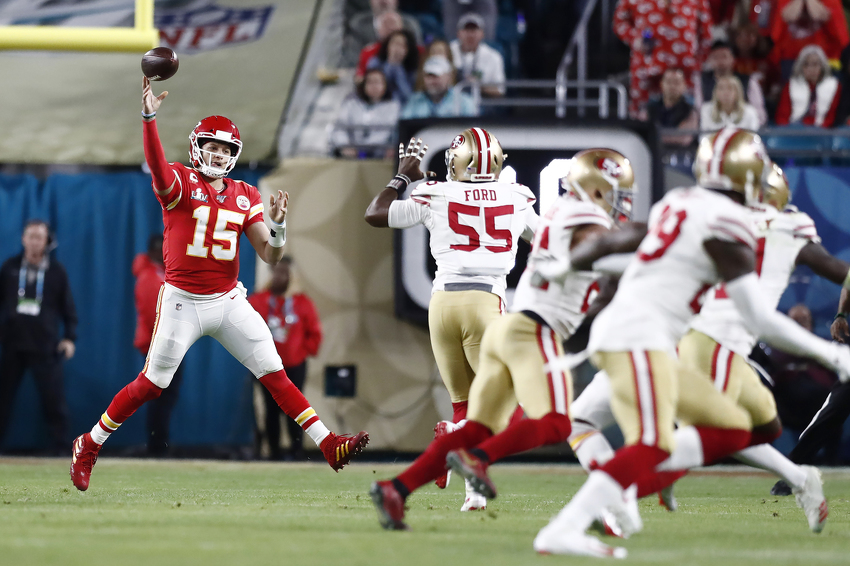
(184, 317)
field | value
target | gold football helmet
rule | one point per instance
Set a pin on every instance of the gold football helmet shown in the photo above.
(604, 177)
(776, 192)
(475, 155)
(732, 160)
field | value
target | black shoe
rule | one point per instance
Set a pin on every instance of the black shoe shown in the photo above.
(780, 488)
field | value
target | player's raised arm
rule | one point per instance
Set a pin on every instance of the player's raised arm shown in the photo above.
(164, 179)
(268, 243)
(735, 263)
(377, 214)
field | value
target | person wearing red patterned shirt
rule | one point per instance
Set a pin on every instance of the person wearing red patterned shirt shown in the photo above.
(662, 34)
(297, 334)
(204, 216)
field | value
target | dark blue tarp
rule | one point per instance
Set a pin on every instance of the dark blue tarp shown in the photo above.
(101, 221)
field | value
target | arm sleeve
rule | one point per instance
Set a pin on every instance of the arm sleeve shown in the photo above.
(69, 310)
(531, 222)
(774, 327)
(166, 183)
(624, 25)
(408, 212)
(313, 330)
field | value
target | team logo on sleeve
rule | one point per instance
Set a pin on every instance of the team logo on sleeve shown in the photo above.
(198, 194)
(609, 167)
(243, 202)
(458, 141)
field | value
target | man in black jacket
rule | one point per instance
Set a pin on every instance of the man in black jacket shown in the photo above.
(34, 298)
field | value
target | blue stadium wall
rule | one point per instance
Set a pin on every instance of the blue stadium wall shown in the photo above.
(101, 221)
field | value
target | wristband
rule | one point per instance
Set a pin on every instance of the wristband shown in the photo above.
(148, 117)
(278, 233)
(840, 315)
(399, 183)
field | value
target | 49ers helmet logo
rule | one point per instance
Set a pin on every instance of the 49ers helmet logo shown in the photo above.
(609, 167)
(457, 142)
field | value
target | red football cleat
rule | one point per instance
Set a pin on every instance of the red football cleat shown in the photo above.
(390, 505)
(443, 428)
(82, 460)
(339, 449)
(473, 469)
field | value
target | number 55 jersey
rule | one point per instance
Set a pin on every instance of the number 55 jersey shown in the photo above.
(474, 228)
(662, 288)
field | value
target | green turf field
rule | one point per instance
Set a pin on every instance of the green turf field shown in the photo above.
(158, 513)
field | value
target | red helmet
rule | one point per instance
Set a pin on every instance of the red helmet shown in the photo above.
(216, 128)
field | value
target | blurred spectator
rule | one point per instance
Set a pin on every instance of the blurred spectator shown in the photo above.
(297, 334)
(721, 63)
(436, 47)
(454, 9)
(811, 96)
(759, 14)
(727, 107)
(149, 271)
(804, 22)
(672, 109)
(368, 27)
(367, 118)
(439, 100)
(35, 298)
(475, 60)
(752, 52)
(662, 34)
(398, 58)
(389, 22)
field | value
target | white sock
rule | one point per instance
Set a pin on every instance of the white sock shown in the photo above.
(318, 432)
(98, 434)
(687, 454)
(103, 429)
(767, 457)
(598, 492)
(593, 447)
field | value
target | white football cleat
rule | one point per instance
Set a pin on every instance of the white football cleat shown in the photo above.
(474, 501)
(626, 513)
(552, 540)
(811, 500)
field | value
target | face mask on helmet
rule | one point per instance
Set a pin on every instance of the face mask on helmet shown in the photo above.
(218, 129)
(476, 156)
(603, 177)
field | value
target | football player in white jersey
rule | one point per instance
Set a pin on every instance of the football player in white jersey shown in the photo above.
(519, 350)
(717, 346)
(698, 237)
(475, 222)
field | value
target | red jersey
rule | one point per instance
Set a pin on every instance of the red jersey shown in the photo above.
(202, 226)
(295, 326)
(789, 38)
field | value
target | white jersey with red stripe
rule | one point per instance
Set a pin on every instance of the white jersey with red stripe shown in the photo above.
(781, 236)
(561, 306)
(662, 288)
(474, 228)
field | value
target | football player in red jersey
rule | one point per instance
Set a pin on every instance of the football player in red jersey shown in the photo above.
(204, 215)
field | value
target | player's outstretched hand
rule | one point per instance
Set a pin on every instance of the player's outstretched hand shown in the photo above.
(840, 330)
(410, 159)
(150, 103)
(277, 207)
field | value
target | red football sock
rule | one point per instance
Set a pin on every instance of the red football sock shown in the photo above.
(432, 463)
(525, 435)
(633, 462)
(656, 481)
(459, 411)
(128, 400)
(720, 442)
(287, 396)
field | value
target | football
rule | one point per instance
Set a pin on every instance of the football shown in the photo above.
(160, 64)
